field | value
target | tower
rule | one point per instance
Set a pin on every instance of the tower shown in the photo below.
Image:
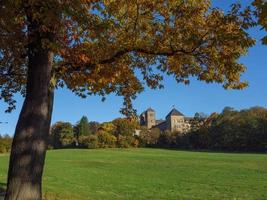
(175, 121)
(148, 118)
(151, 118)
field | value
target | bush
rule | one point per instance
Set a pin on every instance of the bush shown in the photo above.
(149, 137)
(5, 144)
(127, 141)
(67, 141)
(122, 142)
(135, 143)
(90, 141)
(106, 139)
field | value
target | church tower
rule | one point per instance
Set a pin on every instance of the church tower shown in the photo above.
(151, 118)
(148, 118)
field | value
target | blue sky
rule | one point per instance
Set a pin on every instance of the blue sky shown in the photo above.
(197, 97)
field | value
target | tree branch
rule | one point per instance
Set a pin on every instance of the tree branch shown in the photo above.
(122, 52)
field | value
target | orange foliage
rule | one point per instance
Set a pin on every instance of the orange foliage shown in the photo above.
(100, 46)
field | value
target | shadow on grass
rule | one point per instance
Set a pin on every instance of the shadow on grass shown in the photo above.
(2, 188)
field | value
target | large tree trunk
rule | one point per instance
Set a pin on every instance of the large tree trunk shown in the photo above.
(30, 141)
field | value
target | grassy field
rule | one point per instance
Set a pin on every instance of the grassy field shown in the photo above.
(152, 174)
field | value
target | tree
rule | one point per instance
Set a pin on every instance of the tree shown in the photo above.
(149, 137)
(261, 13)
(96, 47)
(234, 130)
(61, 134)
(105, 135)
(200, 116)
(94, 127)
(228, 109)
(82, 128)
(124, 131)
(107, 127)
(125, 126)
(106, 139)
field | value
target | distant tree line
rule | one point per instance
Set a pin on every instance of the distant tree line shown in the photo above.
(85, 134)
(231, 130)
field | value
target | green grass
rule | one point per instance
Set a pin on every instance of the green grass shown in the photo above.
(152, 174)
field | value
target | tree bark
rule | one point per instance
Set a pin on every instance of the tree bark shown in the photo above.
(30, 140)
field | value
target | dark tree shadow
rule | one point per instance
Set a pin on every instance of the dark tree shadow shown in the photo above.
(2, 188)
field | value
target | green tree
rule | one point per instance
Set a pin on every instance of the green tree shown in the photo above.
(96, 47)
(61, 134)
(243, 130)
(82, 128)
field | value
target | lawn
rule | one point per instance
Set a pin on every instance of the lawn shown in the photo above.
(151, 174)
